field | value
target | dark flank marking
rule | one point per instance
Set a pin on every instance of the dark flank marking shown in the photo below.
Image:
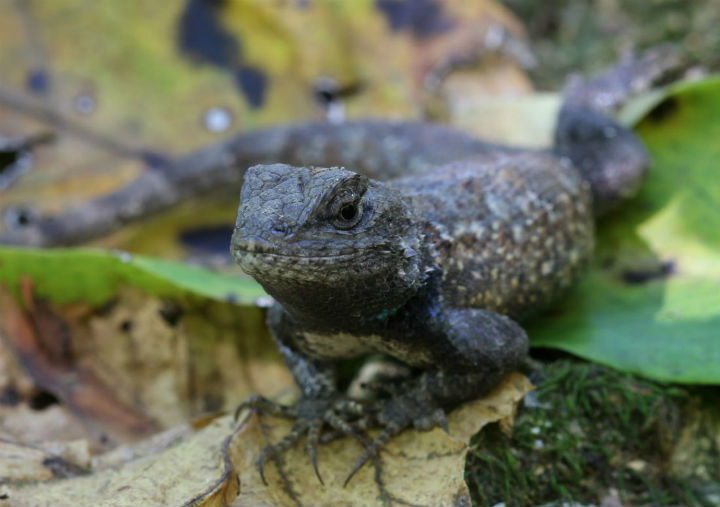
(664, 110)
(423, 18)
(38, 81)
(210, 239)
(252, 82)
(640, 276)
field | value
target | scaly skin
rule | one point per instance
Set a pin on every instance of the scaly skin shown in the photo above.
(429, 269)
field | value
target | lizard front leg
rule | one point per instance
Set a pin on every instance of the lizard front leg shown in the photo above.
(474, 350)
(320, 403)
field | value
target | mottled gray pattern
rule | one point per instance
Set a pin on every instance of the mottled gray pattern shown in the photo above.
(509, 231)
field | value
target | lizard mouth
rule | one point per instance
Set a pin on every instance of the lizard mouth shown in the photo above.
(260, 248)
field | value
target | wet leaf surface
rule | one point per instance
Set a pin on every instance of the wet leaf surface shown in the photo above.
(651, 302)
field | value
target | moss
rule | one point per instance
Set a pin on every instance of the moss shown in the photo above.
(586, 433)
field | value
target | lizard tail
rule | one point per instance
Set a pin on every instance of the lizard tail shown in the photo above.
(609, 155)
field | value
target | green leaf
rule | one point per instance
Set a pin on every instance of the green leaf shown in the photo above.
(651, 302)
(94, 276)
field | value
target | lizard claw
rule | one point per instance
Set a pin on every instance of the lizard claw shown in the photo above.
(436, 418)
(414, 407)
(373, 448)
(261, 404)
(313, 439)
(272, 451)
(346, 417)
(311, 415)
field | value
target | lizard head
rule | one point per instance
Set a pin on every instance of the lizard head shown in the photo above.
(329, 244)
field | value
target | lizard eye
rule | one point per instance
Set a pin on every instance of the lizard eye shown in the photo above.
(347, 215)
(348, 212)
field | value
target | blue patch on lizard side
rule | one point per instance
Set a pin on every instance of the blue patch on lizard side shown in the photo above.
(383, 314)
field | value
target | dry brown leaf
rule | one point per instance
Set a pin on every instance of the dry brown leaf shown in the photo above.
(418, 468)
(188, 469)
(42, 462)
(212, 465)
(21, 423)
(126, 362)
(40, 339)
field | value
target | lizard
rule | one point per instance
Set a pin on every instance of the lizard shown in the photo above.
(434, 266)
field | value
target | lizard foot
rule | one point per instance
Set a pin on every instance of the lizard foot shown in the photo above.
(414, 407)
(310, 415)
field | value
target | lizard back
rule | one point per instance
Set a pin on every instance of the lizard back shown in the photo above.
(509, 231)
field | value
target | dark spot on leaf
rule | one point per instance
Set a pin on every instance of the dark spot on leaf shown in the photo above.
(126, 326)
(171, 312)
(63, 469)
(422, 18)
(212, 239)
(664, 110)
(4, 496)
(252, 83)
(327, 90)
(202, 36)
(38, 81)
(104, 439)
(108, 307)
(42, 400)
(635, 277)
(231, 297)
(212, 402)
(10, 396)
